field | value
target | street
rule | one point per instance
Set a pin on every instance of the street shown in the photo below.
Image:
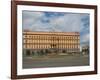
(55, 61)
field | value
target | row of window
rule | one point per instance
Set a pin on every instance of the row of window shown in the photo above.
(50, 46)
(49, 41)
(52, 43)
(50, 37)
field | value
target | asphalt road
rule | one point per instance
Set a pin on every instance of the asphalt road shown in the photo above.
(61, 61)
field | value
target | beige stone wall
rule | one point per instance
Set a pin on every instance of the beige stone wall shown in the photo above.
(46, 40)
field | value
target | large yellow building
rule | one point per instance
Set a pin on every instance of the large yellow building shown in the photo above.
(51, 42)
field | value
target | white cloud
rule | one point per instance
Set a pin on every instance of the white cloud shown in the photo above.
(68, 22)
(33, 14)
(85, 38)
(30, 18)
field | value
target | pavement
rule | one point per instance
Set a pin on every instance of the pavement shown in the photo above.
(55, 61)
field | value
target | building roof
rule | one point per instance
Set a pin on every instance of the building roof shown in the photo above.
(51, 33)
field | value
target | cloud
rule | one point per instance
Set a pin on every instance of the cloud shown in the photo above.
(67, 23)
(30, 18)
(85, 30)
(37, 21)
(85, 38)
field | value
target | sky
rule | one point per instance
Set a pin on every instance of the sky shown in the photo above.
(58, 22)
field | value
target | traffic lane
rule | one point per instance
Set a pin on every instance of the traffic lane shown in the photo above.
(56, 62)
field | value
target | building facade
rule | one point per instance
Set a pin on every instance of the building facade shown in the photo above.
(50, 42)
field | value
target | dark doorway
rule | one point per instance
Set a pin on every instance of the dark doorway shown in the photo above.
(28, 53)
(53, 45)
